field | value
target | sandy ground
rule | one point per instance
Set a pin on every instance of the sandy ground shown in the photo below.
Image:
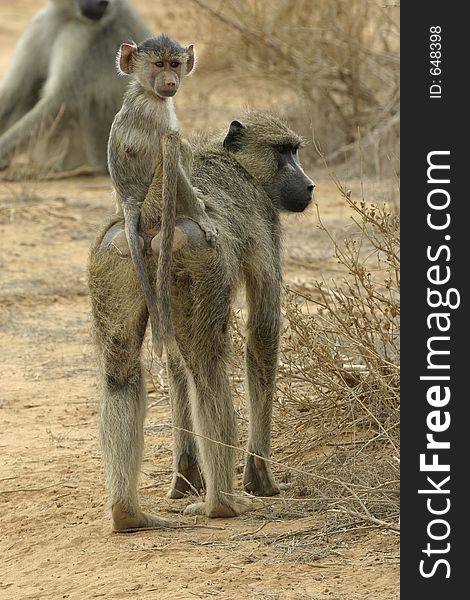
(56, 540)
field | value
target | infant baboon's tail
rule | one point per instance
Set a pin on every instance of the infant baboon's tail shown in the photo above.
(170, 146)
(131, 224)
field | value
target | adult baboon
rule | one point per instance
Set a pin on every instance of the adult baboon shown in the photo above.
(247, 180)
(61, 90)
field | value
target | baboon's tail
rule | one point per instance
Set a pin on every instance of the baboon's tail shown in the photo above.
(131, 220)
(170, 145)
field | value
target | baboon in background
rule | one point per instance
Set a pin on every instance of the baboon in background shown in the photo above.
(61, 91)
(246, 180)
(139, 131)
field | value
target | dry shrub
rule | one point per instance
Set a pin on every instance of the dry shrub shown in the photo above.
(338, 401)
(330, 66)
(345, 345)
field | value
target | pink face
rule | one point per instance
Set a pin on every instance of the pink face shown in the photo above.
(165, 77)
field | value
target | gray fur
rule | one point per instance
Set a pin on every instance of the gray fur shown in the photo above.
(61, 91)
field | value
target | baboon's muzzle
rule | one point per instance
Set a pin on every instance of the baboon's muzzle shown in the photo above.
(93, 9)
(296, 190)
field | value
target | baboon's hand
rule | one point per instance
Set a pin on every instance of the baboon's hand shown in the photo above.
(204, 222)
(210, 231)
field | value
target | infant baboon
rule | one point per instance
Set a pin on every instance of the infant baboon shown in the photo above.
(247, 180)
(145, 125)
(60, 93)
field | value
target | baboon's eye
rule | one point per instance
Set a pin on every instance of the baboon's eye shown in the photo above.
(159, 63)
(284, 149)
(174, 64)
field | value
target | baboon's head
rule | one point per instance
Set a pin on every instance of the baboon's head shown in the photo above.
(267, 148)
(159, 63)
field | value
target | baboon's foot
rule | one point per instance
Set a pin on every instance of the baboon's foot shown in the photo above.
(258, 478)
(124, 520)
(221, 510)
(187, 480)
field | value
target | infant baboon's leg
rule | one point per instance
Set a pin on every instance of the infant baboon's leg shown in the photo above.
(187, 476)
(261, 368)
(186, 156)
(120, 317)
(191, 206)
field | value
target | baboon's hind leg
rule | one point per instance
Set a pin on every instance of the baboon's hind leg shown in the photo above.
(214, 421)
(120, 318)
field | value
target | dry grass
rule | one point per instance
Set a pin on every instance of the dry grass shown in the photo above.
(339, 377)
(331, 66)
(345, 345)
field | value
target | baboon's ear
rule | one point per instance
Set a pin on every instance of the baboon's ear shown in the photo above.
(232, 141)
(125, 58)
(191, 58)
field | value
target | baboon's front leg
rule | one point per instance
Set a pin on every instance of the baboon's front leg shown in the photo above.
(187, 476)
(261, 366)
(41, 115)
(120, 317)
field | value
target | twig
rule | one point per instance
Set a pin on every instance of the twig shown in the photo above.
(62, 215)
(366, 517)
(39, 489)
(247, 452)
(193, 526)
(238, 536)
(247, 33)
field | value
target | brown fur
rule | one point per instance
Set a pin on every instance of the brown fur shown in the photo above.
(245, 186)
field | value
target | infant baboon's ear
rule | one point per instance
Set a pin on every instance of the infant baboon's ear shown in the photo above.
(191, 58)
(232, 141)
(125, 58)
